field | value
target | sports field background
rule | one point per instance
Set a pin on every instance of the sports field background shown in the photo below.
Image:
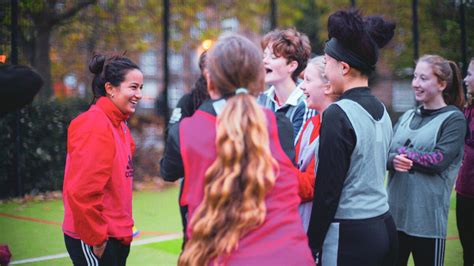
(156, 214)
(33, 229)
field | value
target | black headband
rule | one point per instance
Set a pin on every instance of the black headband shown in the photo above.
(340, 53)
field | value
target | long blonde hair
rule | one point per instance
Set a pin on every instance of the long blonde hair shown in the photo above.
(244, 171)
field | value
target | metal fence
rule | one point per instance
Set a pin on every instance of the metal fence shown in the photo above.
(179, 30)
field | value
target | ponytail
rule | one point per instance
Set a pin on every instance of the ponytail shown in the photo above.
(454, 91)
(235, 184)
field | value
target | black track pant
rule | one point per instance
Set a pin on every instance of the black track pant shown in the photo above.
(365, 242)
(81, 254)
(183, 210)
(425, 251)
(465, 222)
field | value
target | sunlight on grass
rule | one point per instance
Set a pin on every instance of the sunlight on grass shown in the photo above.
(172, 246)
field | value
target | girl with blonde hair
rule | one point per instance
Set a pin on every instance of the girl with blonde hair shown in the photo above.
(319, 96)
(240, 187)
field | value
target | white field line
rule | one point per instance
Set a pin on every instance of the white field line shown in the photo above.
(134, 243)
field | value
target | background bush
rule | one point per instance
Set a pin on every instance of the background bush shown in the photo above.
(43, 152)
(43, 131)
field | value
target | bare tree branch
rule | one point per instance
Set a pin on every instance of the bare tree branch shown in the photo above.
(71, 12)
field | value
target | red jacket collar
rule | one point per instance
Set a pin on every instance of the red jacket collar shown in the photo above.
(112, 112)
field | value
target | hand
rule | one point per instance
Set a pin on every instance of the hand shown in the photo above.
(401, 163)
(99, 249)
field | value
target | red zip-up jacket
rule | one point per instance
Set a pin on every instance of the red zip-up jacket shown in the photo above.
(97, 190)
(306, 173)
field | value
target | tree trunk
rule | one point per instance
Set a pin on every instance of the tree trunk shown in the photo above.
(44, 22)
(42, 62)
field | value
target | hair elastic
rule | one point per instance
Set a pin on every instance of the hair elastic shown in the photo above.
(241, 90)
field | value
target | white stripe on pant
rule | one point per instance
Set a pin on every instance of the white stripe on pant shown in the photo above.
(91, 259)
(331, 245)
(440, 245)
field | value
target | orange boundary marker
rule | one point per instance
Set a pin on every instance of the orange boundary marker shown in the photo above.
(25, 218)
(41, 221)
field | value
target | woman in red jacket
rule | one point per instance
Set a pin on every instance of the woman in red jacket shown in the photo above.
(239, 185)
(97, 191)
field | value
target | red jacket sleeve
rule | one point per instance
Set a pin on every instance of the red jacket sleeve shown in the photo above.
(306, 181)
(91, 152)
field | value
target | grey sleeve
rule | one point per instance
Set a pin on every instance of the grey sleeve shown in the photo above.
(391, 154)
(298, 119)
(450, 141)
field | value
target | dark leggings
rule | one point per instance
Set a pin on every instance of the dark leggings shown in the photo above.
(367, 242)
(425, 251)
(183, 211)
(465, 222)
(81, 254)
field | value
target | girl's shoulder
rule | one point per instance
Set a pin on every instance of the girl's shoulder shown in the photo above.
(455, 112)
(92, 120)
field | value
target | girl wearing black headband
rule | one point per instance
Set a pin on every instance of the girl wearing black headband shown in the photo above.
(350, 223)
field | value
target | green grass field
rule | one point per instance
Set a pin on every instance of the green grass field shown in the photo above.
(156, 213)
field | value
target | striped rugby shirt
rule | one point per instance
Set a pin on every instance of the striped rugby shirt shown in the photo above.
(294, 108)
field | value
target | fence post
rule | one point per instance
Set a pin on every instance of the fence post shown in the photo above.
(273, 14)
(462, 25)
(166, 22)
(415, 29)
(17, 128)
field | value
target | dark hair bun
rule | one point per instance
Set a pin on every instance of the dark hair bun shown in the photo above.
(346, 26)
(96, 64)
(363, 36)
(380, 30)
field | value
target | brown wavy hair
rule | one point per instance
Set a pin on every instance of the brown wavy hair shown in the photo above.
(292, 45)
(244, 171)
(447, 71)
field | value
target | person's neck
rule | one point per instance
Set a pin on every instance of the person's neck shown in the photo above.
(356, 83)
(324, 104)
(284, 89)
(434, 104)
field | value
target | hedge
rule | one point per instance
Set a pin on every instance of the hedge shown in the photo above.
(43, 132)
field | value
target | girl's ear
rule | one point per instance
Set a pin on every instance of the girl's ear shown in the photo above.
(109, 89)
(293, 66)
(443, 85)
(345, 68)
(328, 89)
